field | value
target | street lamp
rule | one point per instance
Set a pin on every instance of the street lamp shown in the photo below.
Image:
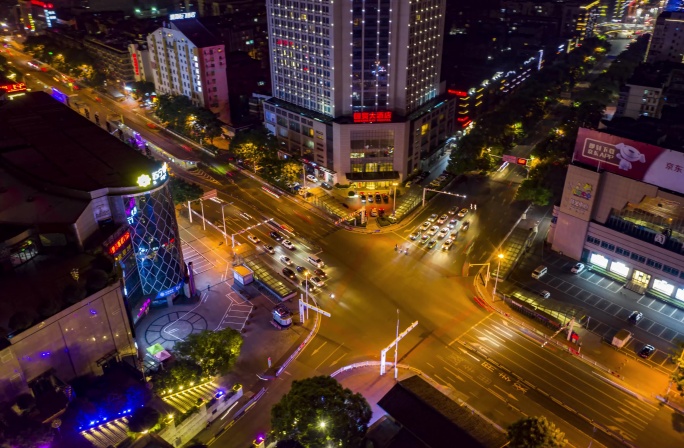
(496, 279)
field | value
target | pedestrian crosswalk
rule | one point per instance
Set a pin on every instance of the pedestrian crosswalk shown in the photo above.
(200, 263)
(237, 313)
(184, 401)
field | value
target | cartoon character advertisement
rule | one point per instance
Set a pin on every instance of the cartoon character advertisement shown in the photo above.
(629, 158)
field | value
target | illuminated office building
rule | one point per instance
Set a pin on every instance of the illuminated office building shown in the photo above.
(356, 87)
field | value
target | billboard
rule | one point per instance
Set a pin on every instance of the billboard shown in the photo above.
(630, 158)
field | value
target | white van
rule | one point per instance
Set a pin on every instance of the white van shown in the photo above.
(539, 272)
(314, 260)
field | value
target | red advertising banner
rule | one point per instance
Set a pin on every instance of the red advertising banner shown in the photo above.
(630, 158)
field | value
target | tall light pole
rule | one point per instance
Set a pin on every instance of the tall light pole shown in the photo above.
(496, 279)
(394, 202)
(223, 217)
(396, 350)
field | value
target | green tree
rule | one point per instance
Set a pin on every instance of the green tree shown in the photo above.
(175, 111)
(214, 351)
(678, 380)
(535, 432)
(182, 191)
(181, 374)
(143, 419)
(141, 89)
(291, 172)
(319, 412)
(531, 190)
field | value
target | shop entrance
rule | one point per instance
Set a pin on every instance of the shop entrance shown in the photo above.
(639, 282)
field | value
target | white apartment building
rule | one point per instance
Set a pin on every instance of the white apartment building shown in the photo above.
(667, 40)
(188, 60)
(370, 67)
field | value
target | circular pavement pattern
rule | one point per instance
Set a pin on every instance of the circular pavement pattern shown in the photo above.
(172, 327)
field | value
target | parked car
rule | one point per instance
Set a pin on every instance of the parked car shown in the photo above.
(374, 212)
(385, 199)
(363, 198)
(545, 294)
(447, 244)
(647, 351)
(635, 316)
(268, 249)
(288, 244)
(326, 185)
(253, 239)
(578, 268)
(286, 260)
(370, 197)
(311, 178)
(378, 198)
(289, 273)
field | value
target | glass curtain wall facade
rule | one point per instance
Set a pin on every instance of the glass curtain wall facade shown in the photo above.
(371, 35)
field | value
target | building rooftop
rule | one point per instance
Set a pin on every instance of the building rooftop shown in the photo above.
(436, 419)
(300, 110)
(196, 32)
(45, 141)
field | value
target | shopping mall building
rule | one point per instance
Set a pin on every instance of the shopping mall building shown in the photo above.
(622, 212)
(88, 243)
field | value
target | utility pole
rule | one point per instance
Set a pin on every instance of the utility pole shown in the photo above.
(396, 349)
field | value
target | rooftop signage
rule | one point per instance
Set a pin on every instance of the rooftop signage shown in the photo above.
(160, 175)
(630, 158)
(183, 15)
(373, 117)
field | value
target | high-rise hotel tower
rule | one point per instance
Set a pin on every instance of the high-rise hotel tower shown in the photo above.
(356, 87)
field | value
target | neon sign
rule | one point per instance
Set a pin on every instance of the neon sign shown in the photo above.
(114, 248)
(42, 4)
(460, 93)
(145, 306)
(135, 64)
(373, 117)
(183, 15)
(14, 87)
(144, 180)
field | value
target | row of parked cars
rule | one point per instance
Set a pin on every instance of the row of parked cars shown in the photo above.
(379, 198)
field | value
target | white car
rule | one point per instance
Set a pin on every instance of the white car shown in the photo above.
(462, 213)
(414, 236)
(426, 225)
(433, 230)
(311, 178)
(545, 294)
(453, 223)
(253, 239)
(268, 249)
(579, 267)
(433, 217)
(288, 244)
(443, 232)
(447, 244)
(286, 260)
(316, 281)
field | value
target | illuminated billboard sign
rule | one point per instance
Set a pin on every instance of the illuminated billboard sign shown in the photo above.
(118, 244)
(373, 117)
(183, 15)
(630, 158)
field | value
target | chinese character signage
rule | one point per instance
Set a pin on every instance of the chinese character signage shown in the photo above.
(183, 15)
(373, 117)
(629, 158)
(118, 244)
(14, 87)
